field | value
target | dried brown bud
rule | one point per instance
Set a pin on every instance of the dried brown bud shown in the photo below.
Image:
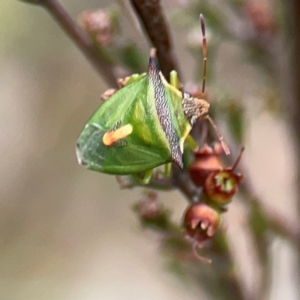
(207, 160)
(148, 207)
(98, 25)
(123, 81)
(201, 221)
(107, 94)
(150, 212)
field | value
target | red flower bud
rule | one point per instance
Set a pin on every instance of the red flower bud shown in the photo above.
(200, 222)
(221, 185)
(207, 159)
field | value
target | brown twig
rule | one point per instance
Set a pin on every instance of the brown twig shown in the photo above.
(294, 67)
(152, 18)
(80, 38)
(184, 184)
(295, 111)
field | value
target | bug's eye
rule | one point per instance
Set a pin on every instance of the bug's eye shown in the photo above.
(186, 95)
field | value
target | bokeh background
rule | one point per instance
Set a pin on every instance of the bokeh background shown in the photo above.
(68, 233)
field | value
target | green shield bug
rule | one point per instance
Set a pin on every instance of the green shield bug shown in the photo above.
(143, 125)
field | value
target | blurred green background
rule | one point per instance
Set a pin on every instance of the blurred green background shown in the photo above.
(68, 233)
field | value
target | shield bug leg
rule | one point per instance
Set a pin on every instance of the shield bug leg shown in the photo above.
(174, 81)
(219, 135)
(145, 177)
(190, 142)
(167, 170)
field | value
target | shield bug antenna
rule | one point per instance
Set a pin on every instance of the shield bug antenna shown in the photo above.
(198, 108)
(204, 53)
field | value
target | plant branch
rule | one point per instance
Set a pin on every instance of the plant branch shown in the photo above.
(154, 23)
(294, 108)
(79, 37)
(183, 183)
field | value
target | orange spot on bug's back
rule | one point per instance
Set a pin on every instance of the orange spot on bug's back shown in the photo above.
(111, 137)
